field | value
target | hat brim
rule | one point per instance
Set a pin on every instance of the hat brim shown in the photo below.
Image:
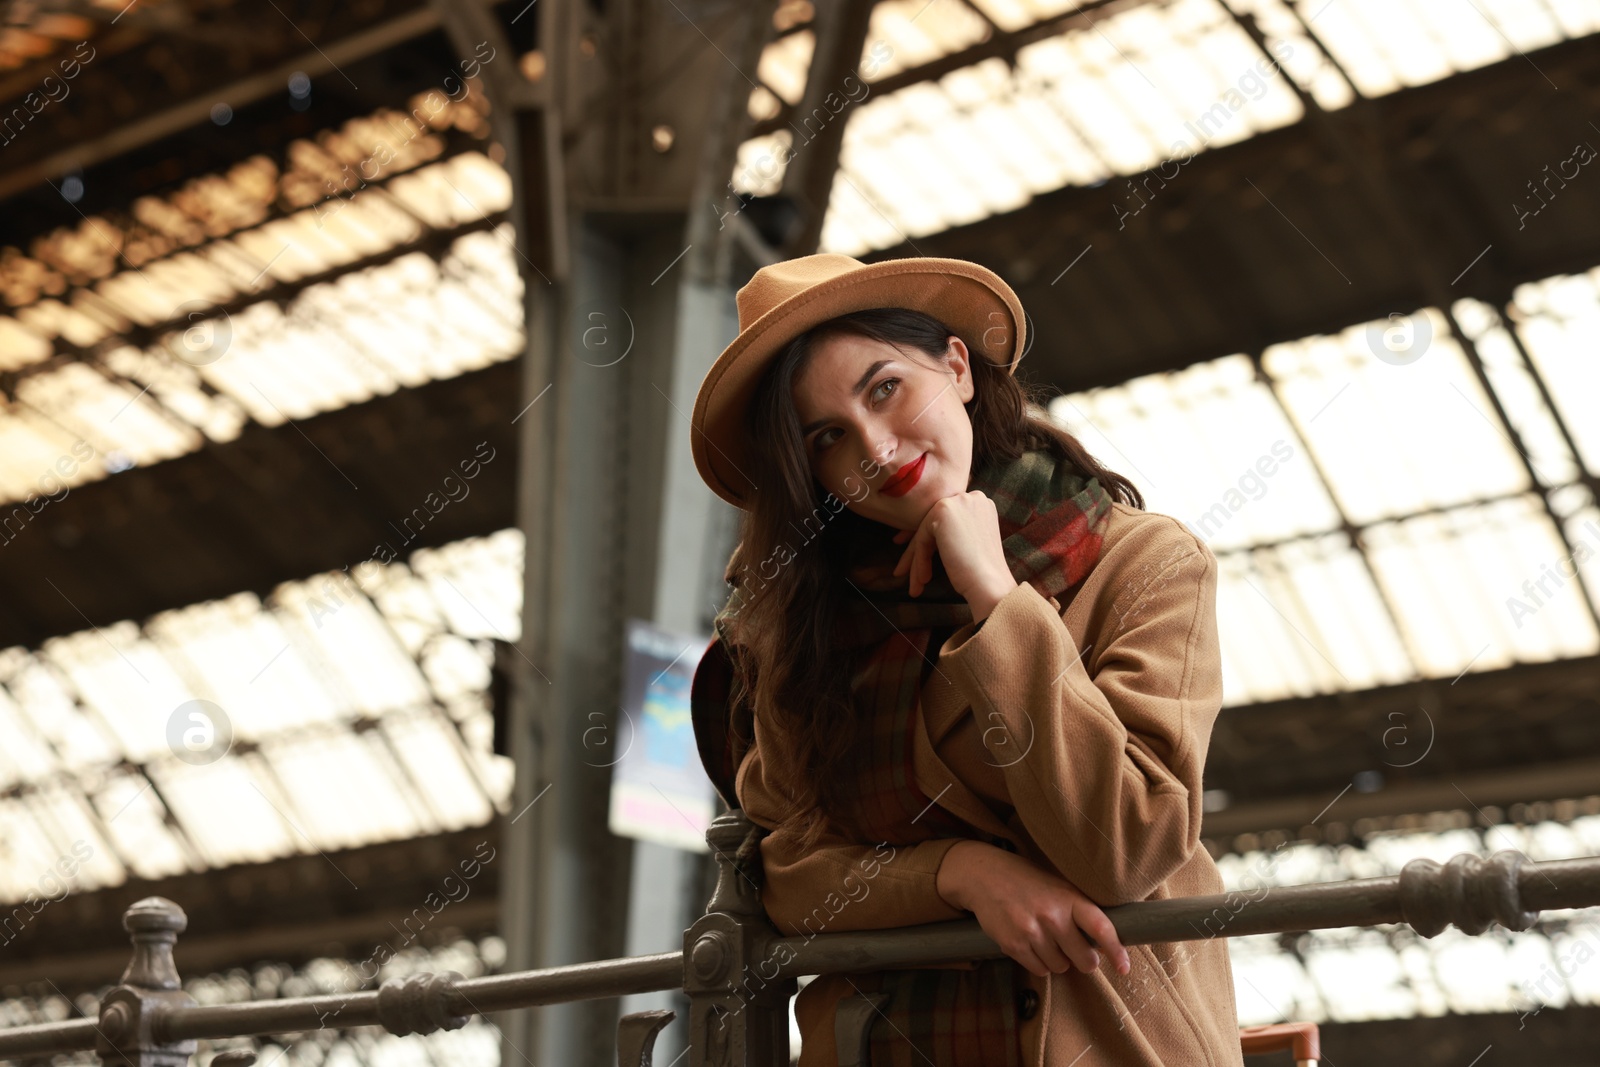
(977, 305)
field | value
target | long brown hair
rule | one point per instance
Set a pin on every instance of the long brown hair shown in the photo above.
(781, 633)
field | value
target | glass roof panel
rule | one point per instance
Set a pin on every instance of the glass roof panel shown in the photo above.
(784, 63)
(1266, 468)
(341, 790)
(454, 665)
(1517, 388)
(44, 694)
(74, 831)
(1558, 319)
(468, 582)
(135, 821)
(25, 756)
(760, 166)
(1304, 618)
(228, 810)
(1015, 14)
(1504, 616)
(100, 407)
(243, 658)
(917, 31)
(111, 416)
(1209, 445)
(123, 680)
(432, 754)
(1140, 85)
(29, 850)
(351, 648)
(1374, 422)
(358, 707)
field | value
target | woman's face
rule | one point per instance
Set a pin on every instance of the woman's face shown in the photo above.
(883, 431)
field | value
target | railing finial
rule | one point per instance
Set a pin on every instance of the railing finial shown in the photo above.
(738, 1006)
(154, 923)
(736, 892)
(130, 1031)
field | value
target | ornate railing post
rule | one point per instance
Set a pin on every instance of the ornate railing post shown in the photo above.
(129, 1033)
(739, 974)
(738, 1006)
(1469, 891)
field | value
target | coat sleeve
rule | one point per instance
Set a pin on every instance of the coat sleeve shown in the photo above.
(1113, 736)
(837, 885)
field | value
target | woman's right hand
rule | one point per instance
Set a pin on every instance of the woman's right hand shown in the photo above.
(1038, 918)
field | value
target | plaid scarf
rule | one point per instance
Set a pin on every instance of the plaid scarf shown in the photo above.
(1051, 520)
(1051, 524)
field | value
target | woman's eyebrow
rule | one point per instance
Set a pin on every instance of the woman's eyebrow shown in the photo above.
(860, 385)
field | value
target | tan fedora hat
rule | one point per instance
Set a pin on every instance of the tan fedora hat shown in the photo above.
(785, 299)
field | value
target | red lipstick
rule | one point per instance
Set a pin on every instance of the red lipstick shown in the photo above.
(905, 478)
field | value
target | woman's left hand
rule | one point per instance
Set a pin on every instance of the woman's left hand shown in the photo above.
(964, 529)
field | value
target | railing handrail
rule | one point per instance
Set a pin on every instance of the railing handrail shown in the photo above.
(1469, 891)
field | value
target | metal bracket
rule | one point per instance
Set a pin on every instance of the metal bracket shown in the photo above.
(636, 1037)
(852, 1027)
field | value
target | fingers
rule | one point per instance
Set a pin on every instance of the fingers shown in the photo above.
(913, 539)
(1077, 948)
(917, 560)
(1094, 922)
(929, 550)
(1030, 959)
(1048, 951)
(909, 556)
(1067, 927)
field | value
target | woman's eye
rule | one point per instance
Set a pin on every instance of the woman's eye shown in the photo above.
(822, 440)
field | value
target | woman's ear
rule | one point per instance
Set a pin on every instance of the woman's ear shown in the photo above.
(960, 362)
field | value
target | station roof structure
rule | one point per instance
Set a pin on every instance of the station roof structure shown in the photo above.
(240, 394)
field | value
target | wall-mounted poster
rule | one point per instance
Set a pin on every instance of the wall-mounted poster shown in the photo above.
(659, 790)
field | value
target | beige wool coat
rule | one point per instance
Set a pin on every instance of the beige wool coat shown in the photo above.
(1107, 702)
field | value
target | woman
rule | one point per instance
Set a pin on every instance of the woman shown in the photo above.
(962, 673)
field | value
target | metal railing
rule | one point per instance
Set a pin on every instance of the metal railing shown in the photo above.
(147, 1020)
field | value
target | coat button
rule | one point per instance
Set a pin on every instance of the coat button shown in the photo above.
(1027, 1004)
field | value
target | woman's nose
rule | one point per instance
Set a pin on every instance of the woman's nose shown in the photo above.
(883, 451)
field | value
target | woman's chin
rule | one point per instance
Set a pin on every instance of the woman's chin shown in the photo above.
(927, 494)
(917, 502)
